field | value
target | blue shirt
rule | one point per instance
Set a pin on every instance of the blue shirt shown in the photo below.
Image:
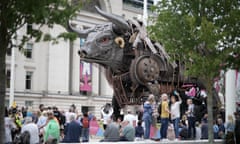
(139, 131)
(221, 128)
(230, 127)
(147, 111)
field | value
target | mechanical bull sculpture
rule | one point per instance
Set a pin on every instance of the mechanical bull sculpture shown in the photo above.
(135, 65)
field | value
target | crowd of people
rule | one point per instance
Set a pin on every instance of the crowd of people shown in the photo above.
(178, 125)
(46, 125)
(174, 124)
(49, 125)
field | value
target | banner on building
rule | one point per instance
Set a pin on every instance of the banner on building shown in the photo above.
(85, 74)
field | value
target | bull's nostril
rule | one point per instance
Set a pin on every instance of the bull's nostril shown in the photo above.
(82, 53)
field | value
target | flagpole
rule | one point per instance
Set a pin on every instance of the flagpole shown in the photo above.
(145, 12)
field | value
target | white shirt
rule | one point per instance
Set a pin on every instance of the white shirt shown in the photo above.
(9, 124)
(131, 118)
(68, 115)
(33, 130)
(106, 116)
(191, 110)
(175, 110)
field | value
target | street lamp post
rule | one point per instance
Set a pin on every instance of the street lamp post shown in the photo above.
(12, 74)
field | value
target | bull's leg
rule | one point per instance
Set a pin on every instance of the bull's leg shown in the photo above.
(116, 108)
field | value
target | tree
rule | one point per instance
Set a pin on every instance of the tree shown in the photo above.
(14, 14)
(203, 34)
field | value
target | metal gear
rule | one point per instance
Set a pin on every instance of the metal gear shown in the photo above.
(145, 69)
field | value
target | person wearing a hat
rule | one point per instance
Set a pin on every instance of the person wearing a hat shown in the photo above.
(32, 128)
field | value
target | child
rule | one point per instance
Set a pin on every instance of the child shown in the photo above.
(85, 128)
(198, 131)
(139, 132)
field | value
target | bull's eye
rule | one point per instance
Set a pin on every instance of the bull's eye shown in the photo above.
(104, 40)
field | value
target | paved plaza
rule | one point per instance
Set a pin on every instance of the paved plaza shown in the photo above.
(95, 140)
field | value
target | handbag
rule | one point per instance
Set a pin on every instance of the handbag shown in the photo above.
(170, 132)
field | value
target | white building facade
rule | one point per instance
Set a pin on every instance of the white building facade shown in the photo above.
(49, 74)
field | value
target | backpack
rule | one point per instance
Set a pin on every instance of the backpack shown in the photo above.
(23, 138)
(85, 122)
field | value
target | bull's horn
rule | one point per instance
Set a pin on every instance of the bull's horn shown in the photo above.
(117, 20)
(81, 33)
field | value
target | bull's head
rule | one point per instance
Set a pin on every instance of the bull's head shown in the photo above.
(104, 43)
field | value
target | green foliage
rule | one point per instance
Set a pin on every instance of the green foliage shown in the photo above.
(17, 13)
(205, 32)
(14, 14)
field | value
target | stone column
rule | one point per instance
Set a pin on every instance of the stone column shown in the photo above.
(95, 80)
(230, 92)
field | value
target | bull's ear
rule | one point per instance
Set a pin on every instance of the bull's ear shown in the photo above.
(119, 22)
(120, 41)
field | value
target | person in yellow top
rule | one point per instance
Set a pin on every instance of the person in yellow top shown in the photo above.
(164, 116)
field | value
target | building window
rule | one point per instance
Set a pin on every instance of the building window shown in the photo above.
(28, 50)
(7, 103)
(28, 84)
(29, 28)
(8, 78)
(89, 5)
(28, 103)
